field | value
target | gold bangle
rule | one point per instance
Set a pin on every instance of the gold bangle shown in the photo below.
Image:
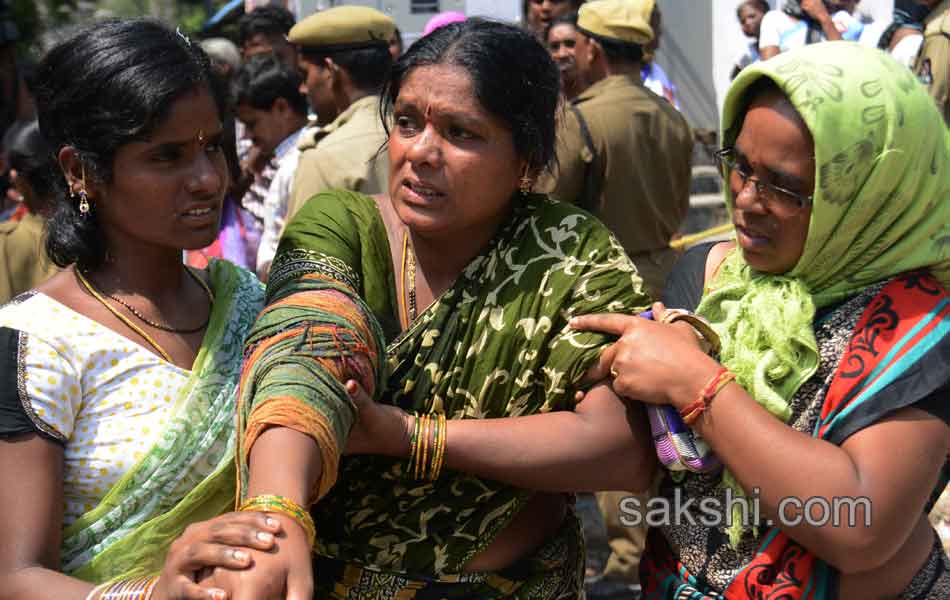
(286, 506)
(440, 447)
(708, 338)
(425, 448)
(435, 448)
(413, 442)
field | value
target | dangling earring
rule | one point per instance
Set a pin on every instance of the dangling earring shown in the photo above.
(526, 183)
(84, 207)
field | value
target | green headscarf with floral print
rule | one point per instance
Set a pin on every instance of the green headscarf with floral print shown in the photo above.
(881, 207)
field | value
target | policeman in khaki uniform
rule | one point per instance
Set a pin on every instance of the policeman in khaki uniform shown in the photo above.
(624, 153)
(933, 62)
(344, 52)
(23, 261)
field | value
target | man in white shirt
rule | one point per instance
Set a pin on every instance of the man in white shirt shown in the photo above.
(274, 111)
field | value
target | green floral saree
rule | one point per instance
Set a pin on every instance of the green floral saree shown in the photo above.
(496, 344)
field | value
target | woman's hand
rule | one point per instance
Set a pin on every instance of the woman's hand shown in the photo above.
(653, 362)
(380, 429)
(225, 541)
(283, 572)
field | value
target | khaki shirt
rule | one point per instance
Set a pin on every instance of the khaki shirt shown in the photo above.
(342, 155)
(645, 148)
(23, 262)
(933, 62)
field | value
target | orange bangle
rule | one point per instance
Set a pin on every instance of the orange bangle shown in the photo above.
(715, 385)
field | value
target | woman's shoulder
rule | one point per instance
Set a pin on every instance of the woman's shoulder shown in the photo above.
(345, 212)
(547, 212)
(37, 314)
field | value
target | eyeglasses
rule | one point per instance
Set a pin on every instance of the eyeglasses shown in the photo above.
(774, 196)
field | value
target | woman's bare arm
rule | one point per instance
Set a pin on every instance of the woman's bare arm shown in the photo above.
(31, 522)
(603, 445)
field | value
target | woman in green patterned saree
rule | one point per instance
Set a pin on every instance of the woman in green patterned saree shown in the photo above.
(120, 373)
(450, 298)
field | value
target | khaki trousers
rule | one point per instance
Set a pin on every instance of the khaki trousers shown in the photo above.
(626, 543)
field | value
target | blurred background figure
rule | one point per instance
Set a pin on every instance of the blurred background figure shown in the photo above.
(441, 20)
(224, 54)
(33, 172)
(264, 31)
(933, 62)
(539, 13)
(396, 45)
(750, 15)
(803, 22)
(561, 40)
(269, 102)
(653, 75)
(904, 36)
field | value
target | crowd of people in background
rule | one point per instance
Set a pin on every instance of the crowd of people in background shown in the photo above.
(317, 313)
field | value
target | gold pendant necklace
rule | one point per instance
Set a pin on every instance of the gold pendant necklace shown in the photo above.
(408, 272)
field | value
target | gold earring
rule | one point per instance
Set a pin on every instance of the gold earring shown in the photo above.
(526, 183)
(84, 206)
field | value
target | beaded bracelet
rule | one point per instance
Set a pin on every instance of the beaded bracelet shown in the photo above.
(284, 506)
(125, 589)
(715, 385)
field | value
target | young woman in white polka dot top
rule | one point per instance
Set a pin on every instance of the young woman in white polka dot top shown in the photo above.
(119, 375)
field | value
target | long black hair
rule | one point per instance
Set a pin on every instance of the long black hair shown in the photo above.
(513, 75)
(112, 83)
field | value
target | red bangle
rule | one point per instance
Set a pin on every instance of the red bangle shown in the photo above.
(692, 411)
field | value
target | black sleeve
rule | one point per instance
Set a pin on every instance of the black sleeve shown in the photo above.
(684, 286)
(14, 419)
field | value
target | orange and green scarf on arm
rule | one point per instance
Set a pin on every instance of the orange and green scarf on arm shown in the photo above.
(188, 476)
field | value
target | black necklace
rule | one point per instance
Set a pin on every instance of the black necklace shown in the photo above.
(169, 328)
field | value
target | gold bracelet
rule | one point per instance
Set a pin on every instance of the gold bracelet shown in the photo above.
(708, 338)
(285, 506)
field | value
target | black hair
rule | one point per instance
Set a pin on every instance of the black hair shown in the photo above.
(32, 158)
(762, 5)
(269, 20)
(568, 19)
(367, 67)
(264, 79)
(513, 75)
(112, 83)
(617, 51)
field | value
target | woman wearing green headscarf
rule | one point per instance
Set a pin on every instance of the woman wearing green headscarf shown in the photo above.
(834, 317)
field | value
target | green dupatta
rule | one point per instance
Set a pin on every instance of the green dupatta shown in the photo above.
(188, 476)
(496, 344)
